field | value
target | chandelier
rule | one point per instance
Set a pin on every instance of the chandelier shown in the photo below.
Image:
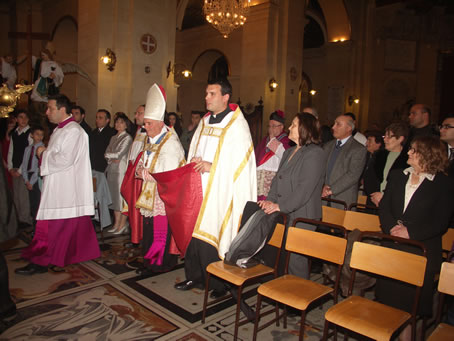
(226, 15)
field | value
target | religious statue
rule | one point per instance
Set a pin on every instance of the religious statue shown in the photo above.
(8, 98)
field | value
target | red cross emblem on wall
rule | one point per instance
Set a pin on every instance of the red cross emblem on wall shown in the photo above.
(148, 43)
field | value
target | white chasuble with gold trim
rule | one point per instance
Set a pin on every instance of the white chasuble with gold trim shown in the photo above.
(231, 181)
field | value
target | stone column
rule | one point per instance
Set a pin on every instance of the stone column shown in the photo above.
(272, 43)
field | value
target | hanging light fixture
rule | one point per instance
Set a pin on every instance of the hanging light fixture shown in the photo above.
(226, 15)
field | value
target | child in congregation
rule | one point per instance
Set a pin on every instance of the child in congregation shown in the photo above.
(30, 170)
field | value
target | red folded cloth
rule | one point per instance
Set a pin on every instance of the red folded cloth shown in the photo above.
(182, 194)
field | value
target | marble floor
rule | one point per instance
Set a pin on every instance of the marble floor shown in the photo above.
(104, 299)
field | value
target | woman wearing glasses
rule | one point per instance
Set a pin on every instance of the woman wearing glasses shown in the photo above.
(418, 203)
(384, 161)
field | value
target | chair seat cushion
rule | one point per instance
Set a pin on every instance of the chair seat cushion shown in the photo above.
(235, 274)
(366, 317)
(293, 291)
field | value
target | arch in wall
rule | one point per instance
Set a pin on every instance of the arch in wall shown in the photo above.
(203, 63)
(64, 19)
(319, 20)
(337, 19)
(64, 38)
(191, 93)
(181, 9)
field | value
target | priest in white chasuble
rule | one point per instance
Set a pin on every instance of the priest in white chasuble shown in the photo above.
(162, 152)
(64, 232)
(223, 153)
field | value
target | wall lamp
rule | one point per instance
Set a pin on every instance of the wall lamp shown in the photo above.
(273, 84)
(352, 99)
(178, 69)
(313, 92)
(110, 59)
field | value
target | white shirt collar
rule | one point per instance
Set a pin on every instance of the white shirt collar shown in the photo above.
(343, 141)
(22, 130)
(411, 170)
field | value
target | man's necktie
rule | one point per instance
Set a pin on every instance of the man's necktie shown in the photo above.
(30, 159)
(332, 159)
(451, 154)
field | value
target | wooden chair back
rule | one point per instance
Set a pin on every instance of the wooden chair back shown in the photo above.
(362, 199)
(330, 201)
(358, 207)
(278, 236)
(316, 244)
(361, 221)
(447, 240)
(333, 215)
(380, 260)
(446, 281)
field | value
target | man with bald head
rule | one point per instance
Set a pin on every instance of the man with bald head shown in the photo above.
(345, 160)
(447, 135)
(419, 119)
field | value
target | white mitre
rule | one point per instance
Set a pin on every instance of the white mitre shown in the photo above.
(155, 106)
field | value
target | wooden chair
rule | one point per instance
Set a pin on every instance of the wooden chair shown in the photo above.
(330, 201)
(360, 207)
(240, 277)
(362, 199)
(443, 331)
(351, 220)
(361, 221)
(447, 240)
(372, 319)
(298, 292)
(333, 215)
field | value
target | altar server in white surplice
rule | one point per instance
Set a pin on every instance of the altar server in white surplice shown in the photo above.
(64, 232)
(223, 153)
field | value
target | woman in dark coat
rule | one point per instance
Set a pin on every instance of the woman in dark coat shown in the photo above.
(417, 204)
(296, 189)
(384, 161)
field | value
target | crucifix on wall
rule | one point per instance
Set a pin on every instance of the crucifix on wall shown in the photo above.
(30, 36)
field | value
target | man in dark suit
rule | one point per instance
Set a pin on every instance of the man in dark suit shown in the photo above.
(419, 119)
(447, 135)
(345, 160)
(99, 140)
(79, 115)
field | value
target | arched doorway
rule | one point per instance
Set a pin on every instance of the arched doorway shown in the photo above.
(64, 39)
(208, 65)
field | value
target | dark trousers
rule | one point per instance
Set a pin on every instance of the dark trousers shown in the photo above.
(34, 197)
(6, 303)
(198, 256)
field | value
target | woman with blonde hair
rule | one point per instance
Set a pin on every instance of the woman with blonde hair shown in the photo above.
(418, 203)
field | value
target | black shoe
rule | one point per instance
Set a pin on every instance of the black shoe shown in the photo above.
(31, 269)
(130, 245)
(215, 294)
(187, 285)
(144, 272)
(9, 314)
